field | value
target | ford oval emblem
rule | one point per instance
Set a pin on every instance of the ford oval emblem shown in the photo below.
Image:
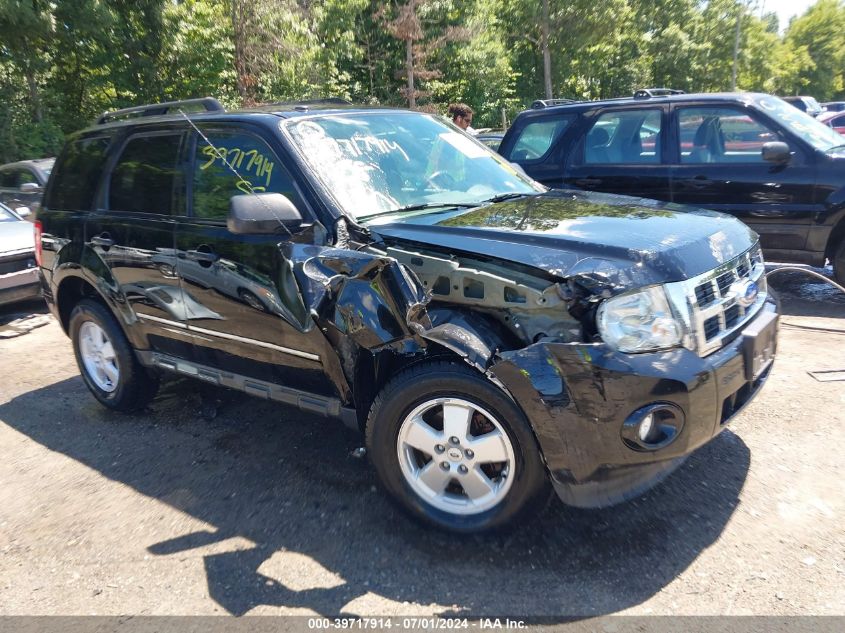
(747, 293)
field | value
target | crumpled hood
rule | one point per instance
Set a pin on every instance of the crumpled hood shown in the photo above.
(607, 241)
(16, 236)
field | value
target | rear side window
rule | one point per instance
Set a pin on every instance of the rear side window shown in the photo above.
(537, 138)
(145, 178)
(624, 137)
(76, 175)
(231, 164)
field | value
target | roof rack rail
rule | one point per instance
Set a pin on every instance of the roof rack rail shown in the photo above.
(210, 104)
(320, 101)
(539, 104)
(648, 93)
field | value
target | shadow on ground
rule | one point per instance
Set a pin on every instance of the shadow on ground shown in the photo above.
(287, 482)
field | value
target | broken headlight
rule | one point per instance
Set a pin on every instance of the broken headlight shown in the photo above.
(640, 321)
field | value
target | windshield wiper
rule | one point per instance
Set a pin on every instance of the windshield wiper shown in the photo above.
(425, 205)
(508, 196)
(835, 147)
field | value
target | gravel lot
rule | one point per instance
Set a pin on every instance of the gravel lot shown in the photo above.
(212, 502)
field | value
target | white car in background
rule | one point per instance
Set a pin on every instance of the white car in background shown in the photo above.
(18, 270)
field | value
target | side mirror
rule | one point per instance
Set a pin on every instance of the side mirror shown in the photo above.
(776, 152)
(262, 213)
(30, 187)
(23, 212)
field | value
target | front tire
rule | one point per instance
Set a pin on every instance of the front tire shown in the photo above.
(454, 450)
(106, 361)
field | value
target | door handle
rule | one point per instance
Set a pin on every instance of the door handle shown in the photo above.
(103, 239)
(588, 182)
(204, 257)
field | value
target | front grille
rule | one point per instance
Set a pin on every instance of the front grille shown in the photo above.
(16, 263)
(713, 303)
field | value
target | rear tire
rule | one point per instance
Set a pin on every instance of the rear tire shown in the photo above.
(106, 360)
(454, 450)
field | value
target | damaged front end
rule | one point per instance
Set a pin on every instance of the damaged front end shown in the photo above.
(610, 424)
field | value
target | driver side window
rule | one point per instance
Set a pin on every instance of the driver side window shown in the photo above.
(235, 163)
(722, 135)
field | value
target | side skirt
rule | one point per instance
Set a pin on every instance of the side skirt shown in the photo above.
(312, 403)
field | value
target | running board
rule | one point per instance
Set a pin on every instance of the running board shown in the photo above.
(312, 403)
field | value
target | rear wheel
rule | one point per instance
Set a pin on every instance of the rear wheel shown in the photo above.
(454, 450)
(106, 361)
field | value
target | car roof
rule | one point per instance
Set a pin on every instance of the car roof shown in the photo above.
(39, 163)
(658, 98)
(826, 116)
(273, 111)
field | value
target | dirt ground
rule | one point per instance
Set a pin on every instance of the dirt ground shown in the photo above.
(213, 502)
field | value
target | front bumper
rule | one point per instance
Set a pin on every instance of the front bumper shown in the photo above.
(19, 286)
(577, 397)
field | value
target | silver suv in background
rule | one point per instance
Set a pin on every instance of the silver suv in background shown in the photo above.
(22, 183)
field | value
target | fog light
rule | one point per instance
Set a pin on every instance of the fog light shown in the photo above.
(645, 427)
(653, 427)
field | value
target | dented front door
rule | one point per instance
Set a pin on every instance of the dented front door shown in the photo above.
(253, 320)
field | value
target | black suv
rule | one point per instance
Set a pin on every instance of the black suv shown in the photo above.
(751, 155)
(380, 266)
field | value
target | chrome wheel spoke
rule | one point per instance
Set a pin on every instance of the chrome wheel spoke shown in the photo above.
(456, 419)
(110, 372)
(107, 351)
(433, 477)
(421, 436)
(476, 484)
(489, 448)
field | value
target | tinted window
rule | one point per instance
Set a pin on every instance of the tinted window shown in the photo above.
(77, 173)
(8, 178)
(537, 138)
(624, 137)
(722, 135)
(145, 176)
(232, 164)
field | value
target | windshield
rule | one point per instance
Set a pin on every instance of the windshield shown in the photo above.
(377, 162)
(6, 215)
(802, 124)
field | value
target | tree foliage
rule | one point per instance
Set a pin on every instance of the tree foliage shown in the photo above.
(62, 62)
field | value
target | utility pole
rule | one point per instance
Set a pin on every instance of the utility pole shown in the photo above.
(736, 46)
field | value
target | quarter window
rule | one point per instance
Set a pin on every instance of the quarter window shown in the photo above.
(145, 178)
(231, 164)
(624, 137)
(537, 138)
(722, 135)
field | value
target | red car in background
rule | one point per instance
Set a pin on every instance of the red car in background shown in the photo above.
(836, 120)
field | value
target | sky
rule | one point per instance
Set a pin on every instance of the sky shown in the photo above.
(786, 9)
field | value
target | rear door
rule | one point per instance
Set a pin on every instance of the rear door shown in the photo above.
(134, 224)
(719, 165)
(622, 152)
(250, 318)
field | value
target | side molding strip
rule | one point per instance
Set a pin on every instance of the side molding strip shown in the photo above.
(231, 337)
(313, 403)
